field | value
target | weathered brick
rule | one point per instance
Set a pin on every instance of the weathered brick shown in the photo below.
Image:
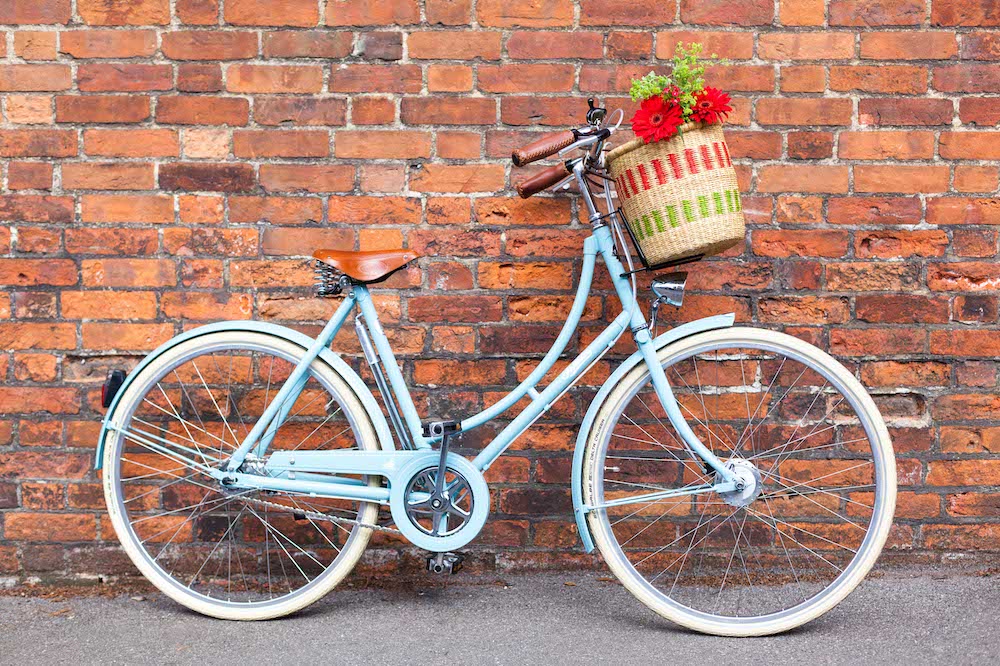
(300, 13)
(139, 12)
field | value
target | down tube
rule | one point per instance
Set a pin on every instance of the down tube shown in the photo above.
(544, 400)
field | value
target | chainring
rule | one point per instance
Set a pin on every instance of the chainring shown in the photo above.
(439, 523)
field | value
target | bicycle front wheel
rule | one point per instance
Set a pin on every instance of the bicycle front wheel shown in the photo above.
(232, 553)
(813, 455)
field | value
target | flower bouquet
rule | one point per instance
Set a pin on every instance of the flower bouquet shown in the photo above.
(675, 181)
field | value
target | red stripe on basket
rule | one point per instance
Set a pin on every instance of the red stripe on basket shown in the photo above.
(675, 165)
(644, 176)
(631, 180)
(689, 156)
(718, 154)
(623, 187)
(729, 160)
(706, 157)
(661, 175)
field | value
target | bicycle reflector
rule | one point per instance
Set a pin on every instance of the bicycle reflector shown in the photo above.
(111, 386)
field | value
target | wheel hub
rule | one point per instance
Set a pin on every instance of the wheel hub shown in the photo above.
(748, 483)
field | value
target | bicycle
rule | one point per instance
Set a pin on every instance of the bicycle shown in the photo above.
(737, 481)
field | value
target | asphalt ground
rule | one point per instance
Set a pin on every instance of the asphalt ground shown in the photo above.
(899, 617)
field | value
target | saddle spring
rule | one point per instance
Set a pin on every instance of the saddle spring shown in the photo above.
(329, 281)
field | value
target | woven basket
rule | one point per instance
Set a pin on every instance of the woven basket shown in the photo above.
(680, 196)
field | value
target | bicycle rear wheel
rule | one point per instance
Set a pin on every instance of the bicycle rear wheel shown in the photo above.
(816, 459)
(232, 553)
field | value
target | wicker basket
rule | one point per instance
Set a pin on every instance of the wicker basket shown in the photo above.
(679, 197)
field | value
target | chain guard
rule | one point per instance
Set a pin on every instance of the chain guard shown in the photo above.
(417, 534)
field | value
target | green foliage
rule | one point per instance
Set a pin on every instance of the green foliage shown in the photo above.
(685, 79)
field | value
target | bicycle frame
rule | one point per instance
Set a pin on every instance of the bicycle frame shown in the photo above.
(601, 242)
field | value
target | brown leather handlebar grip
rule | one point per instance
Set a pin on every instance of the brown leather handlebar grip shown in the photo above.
(547, 145)
(542, 180)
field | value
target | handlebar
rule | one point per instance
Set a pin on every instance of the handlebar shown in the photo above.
(550, 144)
(543, 180)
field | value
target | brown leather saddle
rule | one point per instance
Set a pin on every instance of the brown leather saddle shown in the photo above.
(366, 267)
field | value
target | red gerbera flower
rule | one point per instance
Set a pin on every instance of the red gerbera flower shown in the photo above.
(656, 119)
(711, 105)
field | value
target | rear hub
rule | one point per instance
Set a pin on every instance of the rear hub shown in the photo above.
(748, 483)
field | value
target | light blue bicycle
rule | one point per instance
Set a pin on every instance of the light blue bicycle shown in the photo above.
(738, 481)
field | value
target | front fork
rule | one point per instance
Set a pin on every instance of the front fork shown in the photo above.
(640, 332)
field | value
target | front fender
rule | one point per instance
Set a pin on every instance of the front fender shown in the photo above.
(661, 341)
(353, 380)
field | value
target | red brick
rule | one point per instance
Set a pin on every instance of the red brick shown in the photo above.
(781, 178)
(36, 208)
(965, 13)
(107, 176)
(25, 12)
(199, 77)
(212, 177)
(524, 13)
(527, 77)
(447, 111)
(308, 44)
(806, 46)
(630, 45)
(29, 176)
(802, 12)
(97, 305)
(37, 143)
(901, 111)
(372, 12)
(382, 144)
(124, 77)
(536, 110)
(449, 78)
(788, 243)
(306, 178)
(112, 208)
(908, 45)
(202, 110)
(970, 145)
(448, 12)
(299, 13)
(363, 210)
(62, 527)
(276, 210)
(900, 244)
(274, 79)
(876, 12)
(454, 45)
(555, 45)
(131, 142)
(35, 44)
(457, 178)
(375, 78)
(101, 109)
(803, 78)
(300, 111)
(125, 337)
(274, 143)
(198, 12)
(899, 178)
(34, 77)
(139, 12)
(979, 111)
(721, 12)
(967, 78)
(903, 79)
(802, 111)
(908, 145)
(116, 272)
(209, 45)
(608, 12)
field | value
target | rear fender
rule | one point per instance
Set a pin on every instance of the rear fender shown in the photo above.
(328, 356)
(661, 341)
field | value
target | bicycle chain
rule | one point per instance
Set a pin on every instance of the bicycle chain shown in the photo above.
(323, 516)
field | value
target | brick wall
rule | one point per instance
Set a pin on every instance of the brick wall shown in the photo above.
(168, 162)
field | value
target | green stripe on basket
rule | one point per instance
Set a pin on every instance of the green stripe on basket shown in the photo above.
(672, 215)
(688, 210)
(729, 201)
(703, 206)
(649, 225)
(659, 221)
(717, 197)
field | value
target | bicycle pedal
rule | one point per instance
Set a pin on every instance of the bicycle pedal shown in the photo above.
(440, 428)
(445, 563)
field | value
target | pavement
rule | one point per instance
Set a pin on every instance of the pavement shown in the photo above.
(900, 617)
